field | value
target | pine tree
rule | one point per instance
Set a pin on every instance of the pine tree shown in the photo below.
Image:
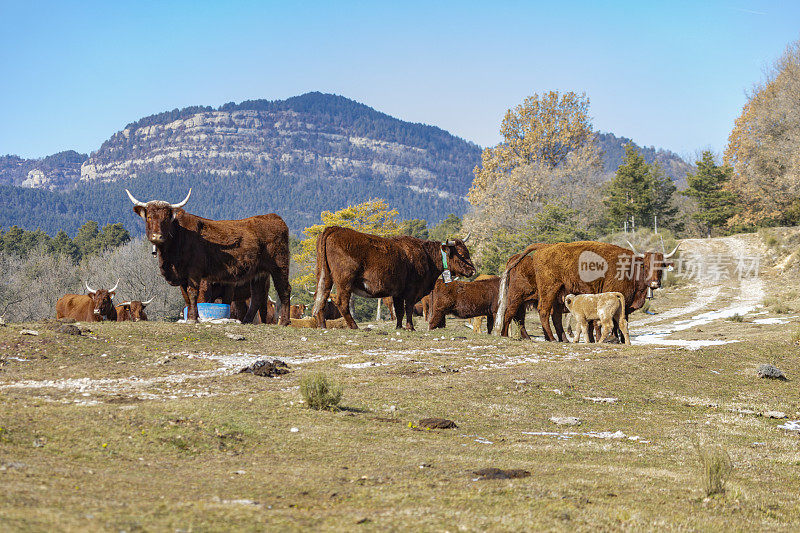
(707, 186)
(632, 192)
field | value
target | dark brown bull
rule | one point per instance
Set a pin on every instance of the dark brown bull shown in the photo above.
(192, 249)
(404, 268)
(585, 267)
(464, 299)
(132, 311)
(94, 306)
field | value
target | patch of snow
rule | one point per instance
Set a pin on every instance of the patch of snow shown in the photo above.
(774, 320)
(659, 338)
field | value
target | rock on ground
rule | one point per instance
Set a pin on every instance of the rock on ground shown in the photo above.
(437, 423)
(770, 372)
(498, 473)
(566, 420)
(264, 368)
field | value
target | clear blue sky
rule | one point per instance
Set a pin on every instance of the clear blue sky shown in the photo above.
(669, 74)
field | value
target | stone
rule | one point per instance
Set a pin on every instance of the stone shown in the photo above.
(437, 423)
(264, 368)
(770, 372)
(499, 473)
(566, 420)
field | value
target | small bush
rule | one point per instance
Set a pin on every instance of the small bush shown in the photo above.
(736, 318)
(715, 468)
(319, 393)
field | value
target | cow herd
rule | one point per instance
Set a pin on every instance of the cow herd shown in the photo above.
(232, 261)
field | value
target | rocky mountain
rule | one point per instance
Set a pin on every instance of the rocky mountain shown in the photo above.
(57, 171)
(295, 157)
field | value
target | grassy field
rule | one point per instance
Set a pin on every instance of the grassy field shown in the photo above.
(149, 427)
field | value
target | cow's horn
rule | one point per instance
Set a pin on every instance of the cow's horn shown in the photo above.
(450, 242)
(134, 200)
(148, 302)
(467, 237)
(88, 288)
(183, 203)
(115, 286)
(126, 303)
(637, 254)
(672, 252)
(270, 299)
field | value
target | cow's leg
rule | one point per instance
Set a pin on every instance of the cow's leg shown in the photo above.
(546, 304)
(280, 279)
(264, 309)
(489, 323)
(343, 303)
(191, 312)
(623, 325)
(520, 320)
(409, 302)
(436, 320)
(257, 297)
(607, 328)
(583, 328)
(399, 311)
(594, 331)
(558, 320)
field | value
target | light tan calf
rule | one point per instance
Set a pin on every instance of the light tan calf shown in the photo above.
(307, 322)
(607, 307)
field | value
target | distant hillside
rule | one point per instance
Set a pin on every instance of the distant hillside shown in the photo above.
(295, 157)
(58, 171)
(613, 149)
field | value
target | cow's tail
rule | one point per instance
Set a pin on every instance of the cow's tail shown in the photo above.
(323, 271)
(502, 298)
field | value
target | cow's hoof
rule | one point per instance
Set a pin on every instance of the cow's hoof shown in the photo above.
(191, 321)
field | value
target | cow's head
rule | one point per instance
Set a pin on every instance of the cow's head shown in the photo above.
(159, 217)
(458, 260)
(653, 266)
(135, 309)
(102, 299)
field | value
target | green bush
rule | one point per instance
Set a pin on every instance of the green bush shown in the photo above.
(319, 393)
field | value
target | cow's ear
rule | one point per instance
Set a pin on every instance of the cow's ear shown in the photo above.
(141, 211)
(175, 213)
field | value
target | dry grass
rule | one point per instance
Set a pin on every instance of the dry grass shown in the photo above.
(319, 392)
(715, 468)
(145, 428)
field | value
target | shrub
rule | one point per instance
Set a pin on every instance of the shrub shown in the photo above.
(736, 318)
(319, 393)
(715, 467)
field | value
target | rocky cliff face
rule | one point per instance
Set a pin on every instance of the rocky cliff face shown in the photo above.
(57, 171)
(285, 140)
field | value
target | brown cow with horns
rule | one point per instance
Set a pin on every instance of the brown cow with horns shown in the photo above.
(95, 306)
(585, 267)
(132, 310)
(404, 268)
(191, 249)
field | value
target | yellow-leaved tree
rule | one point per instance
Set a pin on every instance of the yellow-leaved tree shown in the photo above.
(764, 149)
(547, 162)
(548, 152)
(373, 216)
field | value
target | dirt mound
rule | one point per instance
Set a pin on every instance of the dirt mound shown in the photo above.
(498, 473)
(267, 369)
(437, 423)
